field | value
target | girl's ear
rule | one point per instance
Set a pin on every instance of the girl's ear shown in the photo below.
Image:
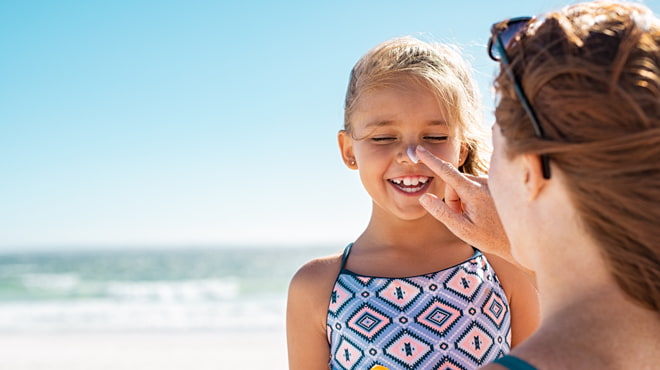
(463, 154)
(346, 148)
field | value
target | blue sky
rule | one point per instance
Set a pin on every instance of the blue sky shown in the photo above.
(178, 123)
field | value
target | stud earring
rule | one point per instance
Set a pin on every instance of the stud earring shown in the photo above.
(352, 162)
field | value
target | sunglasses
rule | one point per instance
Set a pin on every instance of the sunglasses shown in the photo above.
(502, 34)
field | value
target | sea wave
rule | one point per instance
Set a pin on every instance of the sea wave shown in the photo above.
(72, 286)
(109, 316)
(124, 291)
(175, 291)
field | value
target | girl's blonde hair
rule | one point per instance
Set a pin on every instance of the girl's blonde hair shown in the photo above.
(592, 74)
(438, 67)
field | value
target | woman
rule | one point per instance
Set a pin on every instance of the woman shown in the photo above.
(575, 179)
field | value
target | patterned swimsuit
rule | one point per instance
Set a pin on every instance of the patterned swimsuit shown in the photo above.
(457, 318)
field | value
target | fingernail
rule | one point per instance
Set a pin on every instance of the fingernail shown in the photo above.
(412, 155)
(421, 149)
(425, 200)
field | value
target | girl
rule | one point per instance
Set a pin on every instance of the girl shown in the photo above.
(408, 294)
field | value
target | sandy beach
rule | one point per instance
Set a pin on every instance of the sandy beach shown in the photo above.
(162, 351)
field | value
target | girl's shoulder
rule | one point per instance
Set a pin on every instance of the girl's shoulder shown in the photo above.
(314, 280)
(509, 274)
(319, 269)
(521, 292)
(307, 309)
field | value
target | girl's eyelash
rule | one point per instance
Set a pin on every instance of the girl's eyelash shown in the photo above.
(392, 138)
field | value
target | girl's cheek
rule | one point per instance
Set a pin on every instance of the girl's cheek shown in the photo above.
(451, 156)
(443, 150)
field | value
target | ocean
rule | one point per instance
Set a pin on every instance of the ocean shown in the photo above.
(212, 290)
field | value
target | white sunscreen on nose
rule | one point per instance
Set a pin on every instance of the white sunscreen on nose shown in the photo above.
(412, 154)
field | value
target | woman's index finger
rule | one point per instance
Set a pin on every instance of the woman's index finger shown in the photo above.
(447, 172)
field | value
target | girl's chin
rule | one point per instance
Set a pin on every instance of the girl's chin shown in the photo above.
(418, 214)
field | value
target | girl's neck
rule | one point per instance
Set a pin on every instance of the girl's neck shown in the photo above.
(399, 248)
(390, 232)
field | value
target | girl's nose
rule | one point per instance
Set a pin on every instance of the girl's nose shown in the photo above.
(407, 154)
(412, 153)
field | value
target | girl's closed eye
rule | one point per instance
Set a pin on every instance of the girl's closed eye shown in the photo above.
(436, 138)
(383, 139)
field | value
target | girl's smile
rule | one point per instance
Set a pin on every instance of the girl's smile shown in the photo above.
(412, 185)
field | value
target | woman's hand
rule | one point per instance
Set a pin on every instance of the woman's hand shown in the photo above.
(467, 208)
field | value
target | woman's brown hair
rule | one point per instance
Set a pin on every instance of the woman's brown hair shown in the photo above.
(592, 74)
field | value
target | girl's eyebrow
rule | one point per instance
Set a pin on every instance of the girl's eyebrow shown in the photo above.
(384, 123)
(379, 123)
(438, 123)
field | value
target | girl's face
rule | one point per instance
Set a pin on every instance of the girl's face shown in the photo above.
(385, 123)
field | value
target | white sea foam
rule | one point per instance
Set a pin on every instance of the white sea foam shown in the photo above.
(116, 316)
(220, 291)
(175, 291)
(52, 282)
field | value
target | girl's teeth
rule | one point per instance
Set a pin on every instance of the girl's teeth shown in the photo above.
(411, 181)
(412, 190)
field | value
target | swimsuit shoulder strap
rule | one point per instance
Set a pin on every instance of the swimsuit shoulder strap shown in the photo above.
(344, 257)
(514, 363)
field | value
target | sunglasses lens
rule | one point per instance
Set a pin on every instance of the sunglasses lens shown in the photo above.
(506, 35)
